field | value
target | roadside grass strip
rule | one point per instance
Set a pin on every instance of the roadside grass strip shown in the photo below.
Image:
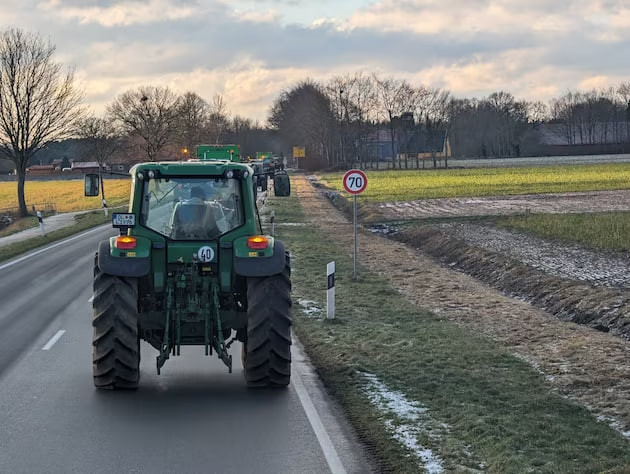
(407, 185)
(82, 222)
(422, 392)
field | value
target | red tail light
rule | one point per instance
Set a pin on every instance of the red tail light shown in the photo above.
(257, 242)
(125, 242)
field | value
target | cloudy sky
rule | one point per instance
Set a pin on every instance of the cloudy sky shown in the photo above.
(250, 50)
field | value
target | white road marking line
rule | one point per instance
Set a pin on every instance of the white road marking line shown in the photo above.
(330, 453)
(53, 340)
(91, 299)
(56, 244)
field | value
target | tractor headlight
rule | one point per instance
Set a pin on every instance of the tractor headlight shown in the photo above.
(229, 174)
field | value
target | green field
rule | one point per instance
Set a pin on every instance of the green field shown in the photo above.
(603, 231)
(403, 185)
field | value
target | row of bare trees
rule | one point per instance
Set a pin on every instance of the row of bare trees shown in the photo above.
(339, 121)
(593, 117)
(344, 120)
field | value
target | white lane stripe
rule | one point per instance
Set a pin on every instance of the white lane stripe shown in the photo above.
(332, 458)
(56, 244)
(53, 340)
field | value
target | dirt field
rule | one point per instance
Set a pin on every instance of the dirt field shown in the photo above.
(579, 362)
(505, 205)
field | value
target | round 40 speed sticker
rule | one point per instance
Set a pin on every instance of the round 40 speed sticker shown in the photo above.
(205, 254)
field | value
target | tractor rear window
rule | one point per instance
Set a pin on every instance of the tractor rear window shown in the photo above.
(192, 208)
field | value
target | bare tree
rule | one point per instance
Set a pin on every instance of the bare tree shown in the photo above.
(537, 112)
(218, 120)
(352, 99)
(149, 112)
(100, 140)
(395, 97)
(39, 103)
(193, 118)
(433, 113)
(303, 116)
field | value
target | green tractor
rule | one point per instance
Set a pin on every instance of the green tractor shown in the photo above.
(191, 268)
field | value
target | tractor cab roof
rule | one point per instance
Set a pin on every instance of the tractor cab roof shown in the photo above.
(191, 167)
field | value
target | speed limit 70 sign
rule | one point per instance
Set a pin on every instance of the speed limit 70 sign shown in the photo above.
(355, 181)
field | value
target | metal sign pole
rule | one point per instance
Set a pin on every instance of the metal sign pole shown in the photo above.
(355, 182)
(355, 236)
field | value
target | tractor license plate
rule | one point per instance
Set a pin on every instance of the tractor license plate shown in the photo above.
(123, 219)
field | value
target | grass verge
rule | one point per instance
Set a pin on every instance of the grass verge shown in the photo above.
(486, 409)
(22, 223)
(606, 230)
(82, 222)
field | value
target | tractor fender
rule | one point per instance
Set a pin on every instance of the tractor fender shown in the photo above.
(262, 266)
(121, 266)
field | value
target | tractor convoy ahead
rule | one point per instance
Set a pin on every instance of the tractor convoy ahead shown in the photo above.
(191, 267)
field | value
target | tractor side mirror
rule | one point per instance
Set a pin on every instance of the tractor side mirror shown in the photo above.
(281, 184)
(91, 184)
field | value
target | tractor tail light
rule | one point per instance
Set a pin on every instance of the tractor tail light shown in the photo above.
(257, 242)
(125, 242)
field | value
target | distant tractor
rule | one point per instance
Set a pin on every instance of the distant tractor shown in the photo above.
(219, 152)
(191, 267)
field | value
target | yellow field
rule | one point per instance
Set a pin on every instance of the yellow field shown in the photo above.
(67, 195)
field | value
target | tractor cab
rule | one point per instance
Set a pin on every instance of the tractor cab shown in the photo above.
(192, 208)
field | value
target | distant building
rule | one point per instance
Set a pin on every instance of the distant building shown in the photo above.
(40, 170)
(86, 167)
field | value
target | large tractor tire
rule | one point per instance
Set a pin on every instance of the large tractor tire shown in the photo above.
(267, 352)
(116, 352)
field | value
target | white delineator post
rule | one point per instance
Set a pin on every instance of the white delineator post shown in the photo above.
(273, 222)
(41, 223)
(330, 292)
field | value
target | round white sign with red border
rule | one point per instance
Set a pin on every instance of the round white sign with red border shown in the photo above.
(354, 181)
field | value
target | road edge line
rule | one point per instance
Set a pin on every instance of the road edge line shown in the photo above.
(330, 453)
(48, 247)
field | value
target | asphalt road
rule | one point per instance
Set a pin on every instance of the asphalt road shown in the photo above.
(195, 417)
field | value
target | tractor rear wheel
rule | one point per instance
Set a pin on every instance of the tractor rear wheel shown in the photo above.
(267, 352)
(116, 352)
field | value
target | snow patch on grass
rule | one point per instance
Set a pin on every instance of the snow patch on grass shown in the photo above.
(535, 365)
(406, 420)
(309, 308)
(614, 424)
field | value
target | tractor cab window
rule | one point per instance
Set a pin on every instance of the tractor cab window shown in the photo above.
(192, 208)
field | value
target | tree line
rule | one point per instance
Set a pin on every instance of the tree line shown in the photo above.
(350, 120)
(360, 119)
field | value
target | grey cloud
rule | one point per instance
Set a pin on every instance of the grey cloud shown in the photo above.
(214, 39)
